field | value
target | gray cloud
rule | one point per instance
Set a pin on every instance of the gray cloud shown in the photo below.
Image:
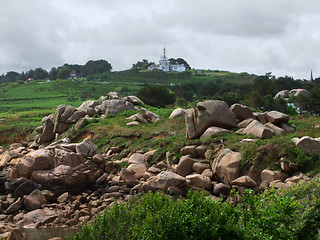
(280, 36)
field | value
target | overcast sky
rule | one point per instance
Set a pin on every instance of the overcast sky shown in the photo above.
(278, 36)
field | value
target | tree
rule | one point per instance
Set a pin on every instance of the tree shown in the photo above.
(144, 64)
(53, 74)
(94, 67)
(263, 85)
(64, 73)
(180, 61)
(11, 76)
(156, 96)
(40, 73)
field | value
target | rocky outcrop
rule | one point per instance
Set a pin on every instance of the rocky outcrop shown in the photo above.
(178, 113)
(308, 144)
(145, 117)
(242, 112)
(259, 130)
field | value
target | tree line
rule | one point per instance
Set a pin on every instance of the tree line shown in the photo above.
(90, 68)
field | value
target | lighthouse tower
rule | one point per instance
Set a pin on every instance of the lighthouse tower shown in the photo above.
(164, 62)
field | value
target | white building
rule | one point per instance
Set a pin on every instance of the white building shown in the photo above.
(164, 65)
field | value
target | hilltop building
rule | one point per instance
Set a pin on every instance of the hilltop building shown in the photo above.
(166, 66)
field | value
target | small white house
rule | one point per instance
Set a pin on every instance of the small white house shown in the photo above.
(164, 65)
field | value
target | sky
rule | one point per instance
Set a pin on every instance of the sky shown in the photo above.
(254, 36)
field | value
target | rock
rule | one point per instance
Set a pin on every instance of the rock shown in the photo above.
(154, 170)
(64, 198)
(221, 189)
(189, 150)
(102, 178)
(37, 218)
(88, 107)
(128, 177)
(277, 117)
(201, 150)
(214, 131)
(75, 117)
(98, 158)
(257, 129)
(242, 112)
(247, 140)
(287, 128)
(199, 181)
(269, 176)
(137, 158)
(184, 167)
(163, 181)
(37, 160)
(113, 95)
(262, 117)
(149, 155)
(245, 181)
(276, 129)
(278, 184)
(6, 157)
(200, 167)
(48, 133)
(134, 100)
(63, 157)
(178, 113)
(134, 123)
(115, 106)
(137, 169)
(14, 207)
(86, 148)
(282, 94)
(149, 116)
(34, 200)
(226, 166)
(308, 144)
(137, 118)
(209, 113)
(245, 123)
(208, 173)
(68, 112)
(24, 188)
(297, 92)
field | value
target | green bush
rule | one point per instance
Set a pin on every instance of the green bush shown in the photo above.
(156, 96)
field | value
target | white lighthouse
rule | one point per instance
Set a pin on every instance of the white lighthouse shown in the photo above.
(164, 62)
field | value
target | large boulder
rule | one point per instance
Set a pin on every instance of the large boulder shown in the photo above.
(48, 133)
(63, 157)
(86, 148)
(275, 128)
(7, 156)
(184, 167)
(199, 181)
(41, 159)
(178, 113)
(244, 181)
(89, 107)
(242, 112)
(226, 166)
(163, 181)
(134, 100)
(277, 117)
(299, 91)
(137, 169)
(308, 144)
(34, 200)
(128, 177)
(37, 218)
(259, 130)
(214, 131)
(209, 113)
(115, 106)
(149, 116)
(282, 94)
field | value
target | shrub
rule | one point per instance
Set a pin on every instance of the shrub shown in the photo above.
(156, 96)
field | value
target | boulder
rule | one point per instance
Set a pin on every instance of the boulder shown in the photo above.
(113, 95)
(214, 131)
(226, 166)
(201, 150)
(208, 173)
(209, 113)
(89, 107)
(277, 117)
(41, 159)
(242, 112)
(115, 106)
(37, 218)
(48, 133)
(137, 169)
(34, 200)
(86, 148)
(149, 116)
(6, 157)
(199, 181)
(262, 117)
(134, 123)
(75, 117)
(137, 158)
(14, 207)
(245, 123)
(221, 189)
(282, 94)
(200, 167)
(257, 129)
(178, 113)
(308, 144)
(63, 157)
(189, 150)
(163, 181)
(138, 118)
(287, 128)
(245, 181)
(275, 128)
(269, 176)
(134, 100)
(128, 177)
(299, 91)
(184, 167)
(68, 112)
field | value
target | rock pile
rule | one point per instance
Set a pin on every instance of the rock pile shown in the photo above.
(145, 117)
(214, 117)
(294, 92)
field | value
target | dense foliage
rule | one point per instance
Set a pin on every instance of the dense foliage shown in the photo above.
(288, 214)
(156, 96)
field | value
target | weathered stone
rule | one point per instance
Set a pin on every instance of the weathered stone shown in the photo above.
(247, 140)
(299, 91)
(137, 118)
(308, 144)
(257, 129)
(63, 157)
(34, 200)
(149, 116)
(14, 207)
(48, 133)
(189, 150)
(287, 128)
(128, 177)
(24, 188)
(277, 117)
(98, 158)
(37, 217)
(201, 150)
(262, 117)
(200, 167)
(269, 176)
(282, 94)
(88, 107)
(86, 148)
(276, 129)
(134, 123)
(163, 181)
(75, 117)
(245, 123)
(68, 111)
(137, 169)
(242, 112)
(199, 181)
(214, 131)
(226, 166)
(115, 106)
(64, 198)
(137, 158)
(134, 100)
(178, 113)
(149, 155)
(245, 181)
(221, 189)
(208, 173)
(6, 157)
(184, 167)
